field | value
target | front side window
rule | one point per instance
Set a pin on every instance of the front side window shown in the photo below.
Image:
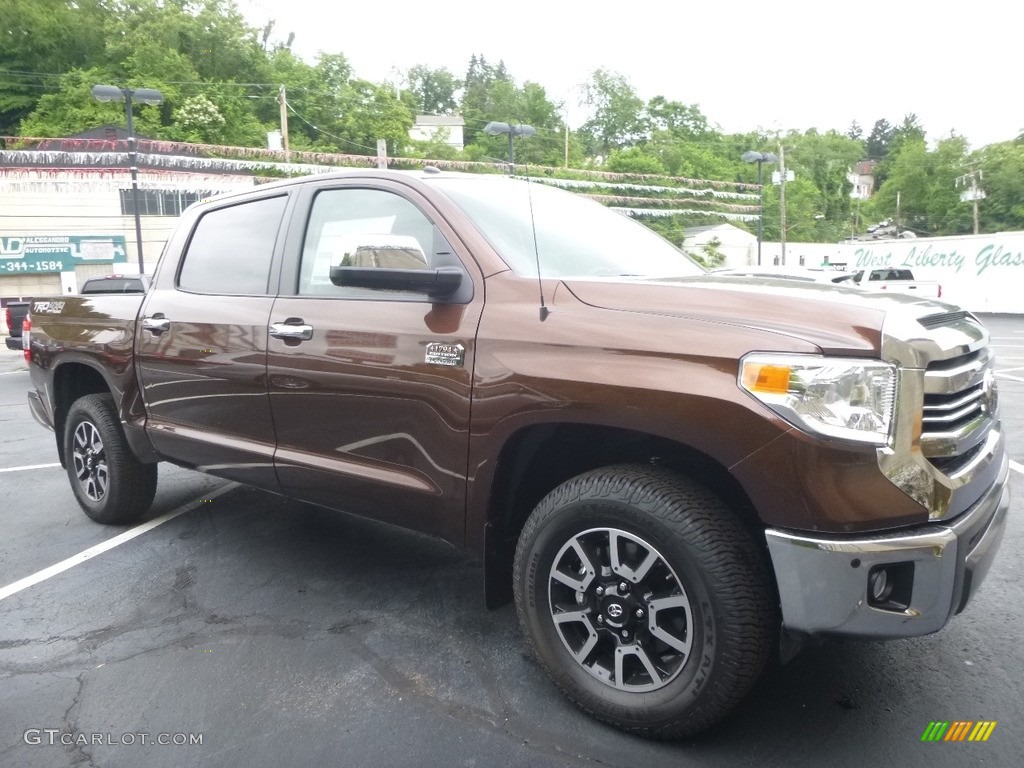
(367, 228)
(231, 249)
(560, 234)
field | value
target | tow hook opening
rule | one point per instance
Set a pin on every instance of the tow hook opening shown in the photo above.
(890, 587)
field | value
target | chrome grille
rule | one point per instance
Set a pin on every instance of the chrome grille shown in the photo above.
(956, 416)
(948, 446)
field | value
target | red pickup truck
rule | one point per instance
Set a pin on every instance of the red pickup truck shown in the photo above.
(676, 475)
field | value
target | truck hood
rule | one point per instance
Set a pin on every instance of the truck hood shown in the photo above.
(837, 320)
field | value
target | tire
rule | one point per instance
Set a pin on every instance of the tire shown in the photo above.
(111, 485)
(667, 637)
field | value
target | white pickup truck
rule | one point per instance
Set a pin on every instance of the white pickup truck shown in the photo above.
(890, 279)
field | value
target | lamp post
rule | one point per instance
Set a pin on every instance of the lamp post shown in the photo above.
(520, 129)
(142, 96)
(760, 158)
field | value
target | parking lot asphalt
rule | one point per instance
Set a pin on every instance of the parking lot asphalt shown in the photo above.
(275, 633)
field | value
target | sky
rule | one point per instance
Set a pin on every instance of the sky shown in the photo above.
(785, 65)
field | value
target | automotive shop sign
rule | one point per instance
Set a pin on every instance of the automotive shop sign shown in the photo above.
(37, 254)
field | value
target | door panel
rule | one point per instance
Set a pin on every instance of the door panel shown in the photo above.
(364, 423)
(371, 411)
(201, 346)
(204, 385)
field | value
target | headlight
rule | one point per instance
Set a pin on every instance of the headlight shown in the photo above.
(842, 398)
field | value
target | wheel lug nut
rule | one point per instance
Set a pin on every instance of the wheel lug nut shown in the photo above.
(639, 613)
(600, 591)
(625, 633)
(623, 586)
(600, 619)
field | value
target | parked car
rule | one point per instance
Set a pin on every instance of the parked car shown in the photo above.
(14, 314)
(668, 471)
(889, 279)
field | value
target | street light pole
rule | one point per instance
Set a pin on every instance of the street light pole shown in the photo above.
(760, 158)
(497, 129)
(144, 96)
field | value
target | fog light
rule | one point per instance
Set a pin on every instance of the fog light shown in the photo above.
(890, 587)
(880, 585)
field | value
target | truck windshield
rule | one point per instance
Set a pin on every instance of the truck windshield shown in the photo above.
(575, 236)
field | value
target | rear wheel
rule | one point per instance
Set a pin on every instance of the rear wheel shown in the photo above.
(645, 599)
(111, 485)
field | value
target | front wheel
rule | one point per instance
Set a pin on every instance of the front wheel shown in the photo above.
(645, 599)
(111, 485)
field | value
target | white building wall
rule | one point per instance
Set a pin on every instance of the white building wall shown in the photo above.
(981, 273)
(53, 202)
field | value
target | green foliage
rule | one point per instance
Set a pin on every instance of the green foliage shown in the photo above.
(39, 41)
(1002, 168)
(877, 146)
(710, 254)
(221, 78)
(619, 119)
(634, 160)
(925, 182)
(72, 109)
(433, 90)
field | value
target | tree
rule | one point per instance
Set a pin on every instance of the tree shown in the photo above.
(1002, 168)
(826, 159)
(40, 40)
(682, 121)
(634, 160)
(72, 109)
(433, 89)
(618, 119)
(485, 96)
(877, 146)
(855, 132)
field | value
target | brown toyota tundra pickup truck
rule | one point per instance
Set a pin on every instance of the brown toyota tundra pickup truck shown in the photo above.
(675, 475)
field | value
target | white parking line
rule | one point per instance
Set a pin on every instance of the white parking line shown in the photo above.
(1016, 466)
(29, 466)
(1002, 375)
(99, 549)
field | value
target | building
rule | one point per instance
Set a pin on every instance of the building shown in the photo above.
(432, 127)
(67, 215)
(738, 246)
(862, 177)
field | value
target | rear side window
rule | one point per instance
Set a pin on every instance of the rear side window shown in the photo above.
(113, 285)
(231, 249)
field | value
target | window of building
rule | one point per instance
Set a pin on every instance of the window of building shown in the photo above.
(231, 249)
(160, 202)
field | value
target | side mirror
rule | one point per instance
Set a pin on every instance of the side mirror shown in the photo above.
(439, 283)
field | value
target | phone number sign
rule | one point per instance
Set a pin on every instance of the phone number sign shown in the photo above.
(36, 254)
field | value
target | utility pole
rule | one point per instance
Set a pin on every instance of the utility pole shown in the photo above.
(897, 213)
(782, 200)
(282, 99)
(972, 192)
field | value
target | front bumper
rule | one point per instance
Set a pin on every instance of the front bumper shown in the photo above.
(824, 581)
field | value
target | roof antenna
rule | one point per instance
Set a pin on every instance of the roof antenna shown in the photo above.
(496, 129)
(544, 311)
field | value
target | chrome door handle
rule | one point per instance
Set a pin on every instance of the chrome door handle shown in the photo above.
(156, 324)
(296, 332)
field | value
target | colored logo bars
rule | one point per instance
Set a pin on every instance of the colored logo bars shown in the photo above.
(958, 730)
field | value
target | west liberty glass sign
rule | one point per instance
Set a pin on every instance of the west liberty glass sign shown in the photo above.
(35, 254)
